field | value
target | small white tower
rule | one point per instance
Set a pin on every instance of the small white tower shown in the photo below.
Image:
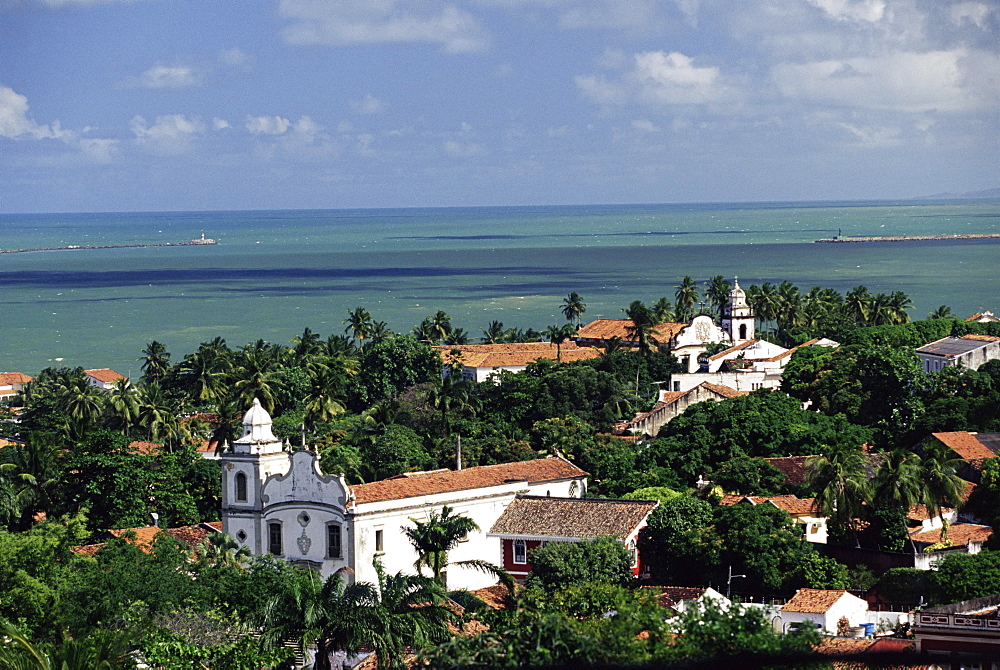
(254, 457)
(737, 317)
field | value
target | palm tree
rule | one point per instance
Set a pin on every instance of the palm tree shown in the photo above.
(841, 484)
(641, 331)
(457, 336)
(942, 312)
(440, 326)
(717, 291)
(857, 305)
(898, 483)
(359, 323)
(790, 301)
(685, 298)
(324, 403)
(222, 550)
(765, 302)
(331, 615)
(307, 344)
(434, 538)
(98, 650)
(156, 415)
(573, 308)
(450, 392)
(82, 404)
(899, 302)
(663, 310)
(380, 331)
(411, 612)
(203, 374)
(155, 360)
(942, 485)
(494, 333)
(123, 404)
(254, 373)
(557, 335)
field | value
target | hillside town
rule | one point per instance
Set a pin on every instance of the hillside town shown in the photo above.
(766, 473)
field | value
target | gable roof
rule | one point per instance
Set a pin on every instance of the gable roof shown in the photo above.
(583, 518)
(191, 536)
(553, 468)
(791, 504)
(605, 329)
(983, 317)
(671, 596)
(514, 354)
(813, 601)
(949, 347)
(106, 375)
(965, 444)
(668, 398)
(958, 534)
(738, 347)
(11, 378)
(793, 467)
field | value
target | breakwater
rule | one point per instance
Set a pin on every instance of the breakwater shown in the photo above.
(914, 238)
(192, 243)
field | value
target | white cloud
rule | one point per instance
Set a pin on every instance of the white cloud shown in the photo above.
(268, 125)
(168, 76)
(235, 57)
(169, 135)
(347, 22)
(600, 90)
(220, 124)
(463, 149)
(99, 150)
(16, 124)
(947, 81)
(852, 10)
(645, 125)
(369, 105)
(976, 13)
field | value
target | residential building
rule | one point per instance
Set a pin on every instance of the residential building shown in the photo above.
(531, 521)
(671, 404)
(965, 634)
(103, 378)
(823, 608)
(803, 511)
(482, 361)
(11, 384)
(968, 351)
(679, 598)
(982, 317)
(279, 502)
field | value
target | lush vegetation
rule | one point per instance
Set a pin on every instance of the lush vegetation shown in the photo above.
(376, 404)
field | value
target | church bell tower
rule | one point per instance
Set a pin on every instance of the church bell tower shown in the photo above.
(737, 317)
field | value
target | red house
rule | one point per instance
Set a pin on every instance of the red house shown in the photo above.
(530, 521)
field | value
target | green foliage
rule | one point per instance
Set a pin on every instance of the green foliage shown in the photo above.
(823, 572)
(907, 585)
(559, 564)
(389, 366)
(678, 545)
(966, 576)
(661, 493)
(749, 476)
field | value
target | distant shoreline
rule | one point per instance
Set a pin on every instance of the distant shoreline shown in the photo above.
(192, 243)
(912, 238)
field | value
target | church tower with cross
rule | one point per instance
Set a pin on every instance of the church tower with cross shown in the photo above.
(737, 316)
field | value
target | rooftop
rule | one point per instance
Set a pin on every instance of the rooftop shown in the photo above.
(572, 517)
(793, 467)
(965, 444)
(11, 378)
(949, 347)
(671, 596)
(791, 504)
(813, 601)
(106, 375)
(414, 484)
(605, 329)
(959, 534)
(515, 354)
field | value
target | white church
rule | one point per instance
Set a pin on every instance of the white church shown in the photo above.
(276, 501)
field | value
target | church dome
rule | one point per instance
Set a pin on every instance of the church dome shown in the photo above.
(737, 292)
(257, 426)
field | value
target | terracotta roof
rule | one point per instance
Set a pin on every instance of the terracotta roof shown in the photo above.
(958, 534)
(143, 536)
(791, 504)
(981, 338)
(191, 536)
(793, 467)
(813, 601)
(987, 316)
(140, 447)
(572, 517)
(106, 375)
(516, 354)
(671, 596)
(920, 513)
(966, 445)
(724, 390)
(444, 481)
(9, 378)
(7, 393)
(496, 596)
(791, 351)
(605, 329)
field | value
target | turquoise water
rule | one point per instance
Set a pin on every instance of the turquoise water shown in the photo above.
(275, 272)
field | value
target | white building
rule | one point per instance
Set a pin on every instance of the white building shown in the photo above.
(279, 502)
(103, 378)
(823, 608)
(968, 351)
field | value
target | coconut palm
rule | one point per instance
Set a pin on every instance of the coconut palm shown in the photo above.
(557, 335)
(359, 323)
(434, 538)
(82, 403)
(942, 312)
(717, 291)
(842, 485)
(98, 650)
(457, 336)
(451, 392)
(790, 301)
(765, 302)
(307, 344)
(574, 307)
(123, 405)
(324, 403)
(222, 550)
(898, 483)
(155, 360)
(330, 615)
(685, 298)
(380, 331)
(156, 415)
(663, 310)
(942, 485)
(899, 302)
(857, 305)
(494, 333)
(202, 372)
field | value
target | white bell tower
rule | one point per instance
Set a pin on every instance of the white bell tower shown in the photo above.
(737, 317)
(254, 457)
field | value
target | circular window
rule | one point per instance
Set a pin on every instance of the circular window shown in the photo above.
(303, 519)
(241, 536)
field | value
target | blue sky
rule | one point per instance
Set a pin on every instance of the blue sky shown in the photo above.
(112, 105)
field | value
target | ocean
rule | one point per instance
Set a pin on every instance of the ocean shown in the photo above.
(273, 273)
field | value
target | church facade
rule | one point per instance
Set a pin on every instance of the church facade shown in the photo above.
(276, 501)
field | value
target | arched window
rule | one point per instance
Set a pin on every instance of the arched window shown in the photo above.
(241, 487)
(274, 538)
(743, 331)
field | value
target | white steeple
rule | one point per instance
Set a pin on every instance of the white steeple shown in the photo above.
(257, 436)
(737, 316)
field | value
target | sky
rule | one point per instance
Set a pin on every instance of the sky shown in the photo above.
(158, 105)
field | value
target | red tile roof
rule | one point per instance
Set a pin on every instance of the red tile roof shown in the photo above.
(738, 347)
(191, 536)
(958, 534)
(981, 338)
(147, 448)
(10, 378)
(496, 596)
(605, 329)
(813, 601)
(791, 504)
(671, 596)
(515, 354)
(106, 375)
(964, 444)
(445, 481)
(920, 512)
(583, 518)
(793, 467)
